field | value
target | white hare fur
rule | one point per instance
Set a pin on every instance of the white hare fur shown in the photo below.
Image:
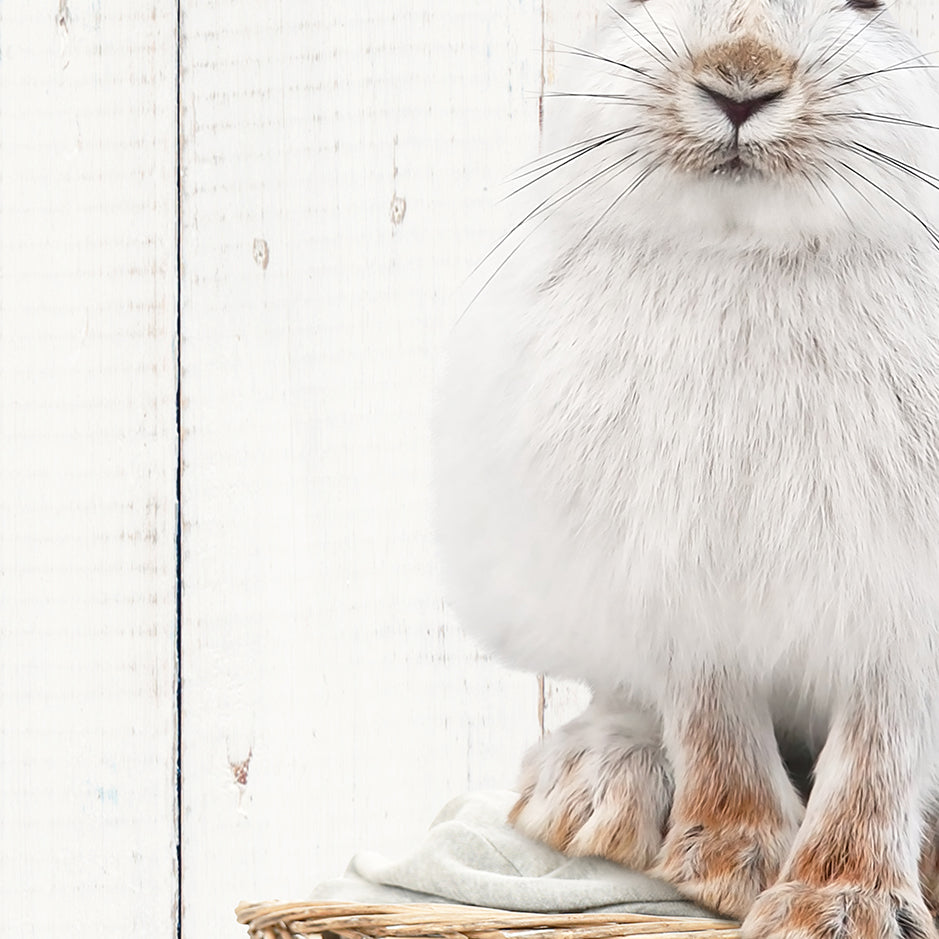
(688, 451)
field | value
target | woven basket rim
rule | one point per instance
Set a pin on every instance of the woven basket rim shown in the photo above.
(277, 920)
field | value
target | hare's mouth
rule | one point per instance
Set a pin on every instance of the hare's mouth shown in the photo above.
(735, 166)
(732, 161)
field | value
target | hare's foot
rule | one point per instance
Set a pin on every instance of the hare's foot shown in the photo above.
(837, 911)
(599, 785)
(735, 813)
(727, 864)
(852, 873)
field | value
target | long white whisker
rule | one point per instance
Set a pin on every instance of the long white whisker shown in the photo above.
(648, 11)
(848, 42)
(558, 164)
(636, 183)
(549, 203)
(545, 210)
(644, 78)
(933, 235)
(660, 56)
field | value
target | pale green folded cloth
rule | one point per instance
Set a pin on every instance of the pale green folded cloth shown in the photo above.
(471, 855)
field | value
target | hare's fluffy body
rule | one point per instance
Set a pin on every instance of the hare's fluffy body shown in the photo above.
(689, 442)
(706, 426)
(701, 455)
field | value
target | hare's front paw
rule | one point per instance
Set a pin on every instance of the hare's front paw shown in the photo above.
(838, 911)
(724, 866)
(596, 787)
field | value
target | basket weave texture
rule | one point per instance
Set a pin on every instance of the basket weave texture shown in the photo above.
(438, 921)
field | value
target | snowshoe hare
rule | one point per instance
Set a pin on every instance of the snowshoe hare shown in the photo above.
(688, 453)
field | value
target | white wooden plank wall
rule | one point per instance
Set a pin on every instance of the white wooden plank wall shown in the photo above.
(345, 136)
(87, 468)
(340, 160)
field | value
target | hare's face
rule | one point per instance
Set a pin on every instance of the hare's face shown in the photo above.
(824, 105)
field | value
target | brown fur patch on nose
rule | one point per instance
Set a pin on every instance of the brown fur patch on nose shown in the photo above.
(745, 59)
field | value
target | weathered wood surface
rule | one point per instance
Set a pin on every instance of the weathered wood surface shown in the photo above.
(87, 469)
(333, 194)
(340, 161)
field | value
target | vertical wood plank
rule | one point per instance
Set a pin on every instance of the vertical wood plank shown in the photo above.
(87, 468)
(335, 159)
(922, 19)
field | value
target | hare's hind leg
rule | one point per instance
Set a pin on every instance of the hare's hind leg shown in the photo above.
(599, 785)
(735, 813)
(854, 871)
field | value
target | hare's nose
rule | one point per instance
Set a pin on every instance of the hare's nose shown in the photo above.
(739, 111)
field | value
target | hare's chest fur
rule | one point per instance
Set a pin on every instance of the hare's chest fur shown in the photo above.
(641, 455)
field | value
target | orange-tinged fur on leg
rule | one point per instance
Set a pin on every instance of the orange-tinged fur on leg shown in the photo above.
(838, 911)
(599, 786)
(855, 869)
(735, 813)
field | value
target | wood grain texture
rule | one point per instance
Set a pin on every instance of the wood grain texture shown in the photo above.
(336, 157)
(87, 468)
(922, 19)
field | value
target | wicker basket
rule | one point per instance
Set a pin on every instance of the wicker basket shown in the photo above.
(417, 921)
